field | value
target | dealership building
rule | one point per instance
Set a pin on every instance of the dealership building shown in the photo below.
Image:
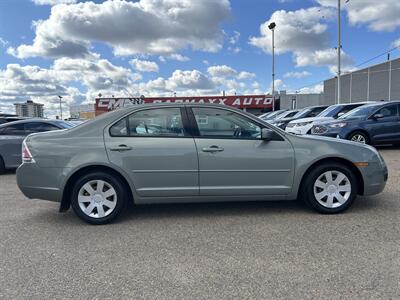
(375, 83)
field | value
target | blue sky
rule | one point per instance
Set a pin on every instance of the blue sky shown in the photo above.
(158, 47)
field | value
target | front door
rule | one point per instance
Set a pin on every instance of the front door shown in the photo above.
(387, 128)
(233, 160)
(152, 146)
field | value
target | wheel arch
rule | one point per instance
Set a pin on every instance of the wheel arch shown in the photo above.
(66, 196)
(347, 163)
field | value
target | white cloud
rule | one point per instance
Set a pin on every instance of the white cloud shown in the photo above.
(314, 89)
(304, 33)
(245, 75)
(395, 44)
(144, 65)
(221, 71)
(3, 42)
(53, 2)
(234, 39)
(145, 27)
(297, 75)
(174, 56)
(377, 15)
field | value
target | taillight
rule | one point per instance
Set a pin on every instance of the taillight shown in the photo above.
(26, 154)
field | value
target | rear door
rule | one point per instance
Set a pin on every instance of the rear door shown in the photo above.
(154, 148)
(386, 129)
(233, 160)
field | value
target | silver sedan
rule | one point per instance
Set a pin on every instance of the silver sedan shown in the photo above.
(192, 153)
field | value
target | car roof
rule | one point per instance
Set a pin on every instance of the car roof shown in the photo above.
(31, 120)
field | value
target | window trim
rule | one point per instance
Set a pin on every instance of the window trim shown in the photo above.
(128, 135)
(196, 131)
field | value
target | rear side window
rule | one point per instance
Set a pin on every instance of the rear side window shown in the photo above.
(39, 127)
(15, 129)
(162, 122)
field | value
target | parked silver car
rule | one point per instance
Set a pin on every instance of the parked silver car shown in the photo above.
(13, 133)
(192, 153)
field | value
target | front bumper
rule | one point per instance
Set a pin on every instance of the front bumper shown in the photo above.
(39, 183)
(375, 177)
(299, 130)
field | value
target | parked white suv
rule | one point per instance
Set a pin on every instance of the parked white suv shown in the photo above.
(303, 126)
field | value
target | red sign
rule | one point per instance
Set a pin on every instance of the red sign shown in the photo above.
(247, 101)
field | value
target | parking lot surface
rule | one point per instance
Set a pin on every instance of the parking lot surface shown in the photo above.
(198, 251)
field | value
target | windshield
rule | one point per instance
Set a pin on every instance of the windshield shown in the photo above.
(329, 111)
(65, 125)
(302, 113)
(273, 115)
(359, 112)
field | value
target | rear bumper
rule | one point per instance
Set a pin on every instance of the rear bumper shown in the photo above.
(39, 183)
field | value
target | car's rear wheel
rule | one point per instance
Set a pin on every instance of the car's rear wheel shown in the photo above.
(359, 137)
(98, 198)
(330, 188)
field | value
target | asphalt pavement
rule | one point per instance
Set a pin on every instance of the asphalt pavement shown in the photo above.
(258, 250)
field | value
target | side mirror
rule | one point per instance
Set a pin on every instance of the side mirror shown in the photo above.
(340, 114)
(267, 134)
(377, 116)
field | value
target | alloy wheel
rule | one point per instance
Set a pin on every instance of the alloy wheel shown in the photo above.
(358, 138)
(97, 198)
(332, 189)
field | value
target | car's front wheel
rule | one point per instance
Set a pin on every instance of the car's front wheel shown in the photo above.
(330, 188)
(359, 137)
(98, 197)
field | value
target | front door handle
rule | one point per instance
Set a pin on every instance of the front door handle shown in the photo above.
(212, 149)
(121, 148)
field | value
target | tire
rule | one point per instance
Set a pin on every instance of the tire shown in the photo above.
(359, 136)
(98, 198)
(2, 166)
(317, 192)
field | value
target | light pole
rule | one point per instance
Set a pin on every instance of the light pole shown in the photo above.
(272, 26)
(60, 107)
(339, 48)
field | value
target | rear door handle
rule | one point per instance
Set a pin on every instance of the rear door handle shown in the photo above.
(121, 148)
(212, 149)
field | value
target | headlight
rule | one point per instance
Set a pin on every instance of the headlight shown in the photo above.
(303, 124)
(279, 124)
(338, 125)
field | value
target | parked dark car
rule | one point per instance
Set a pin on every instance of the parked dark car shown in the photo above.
(12, 134)
(307, 112)
(7, 119)
(375, 123)
(272, 115)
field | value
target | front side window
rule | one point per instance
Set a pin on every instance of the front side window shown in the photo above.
(225, 124)
(388, 111)
(166, 122)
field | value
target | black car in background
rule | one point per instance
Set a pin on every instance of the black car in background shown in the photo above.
(307, 112)
(12, 135)
(375, 123)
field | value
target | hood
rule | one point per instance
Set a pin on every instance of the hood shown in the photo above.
(335, 121)
(284, 120)
(312, 119)
(326, 139)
